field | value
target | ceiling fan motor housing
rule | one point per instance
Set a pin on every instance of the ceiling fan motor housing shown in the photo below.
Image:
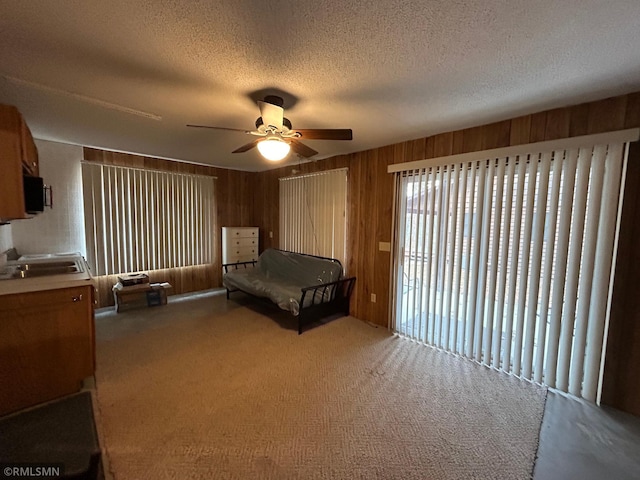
(285, 123)
(274, 100)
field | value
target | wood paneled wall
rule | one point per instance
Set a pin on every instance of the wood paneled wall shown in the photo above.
(234, 208)
(371, 200)
(622, 367)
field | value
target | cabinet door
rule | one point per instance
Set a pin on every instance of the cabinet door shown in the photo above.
(46, 346)
(11, 189)
(29, 150)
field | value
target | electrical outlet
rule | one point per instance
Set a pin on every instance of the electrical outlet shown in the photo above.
(373, 298)
(270, 234)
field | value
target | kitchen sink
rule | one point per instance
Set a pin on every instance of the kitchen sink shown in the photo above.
(47, 266)
(41, 272)
(41, 268)
(44, 256)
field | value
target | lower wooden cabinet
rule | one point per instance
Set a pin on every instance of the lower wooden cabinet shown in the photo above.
(47, 345)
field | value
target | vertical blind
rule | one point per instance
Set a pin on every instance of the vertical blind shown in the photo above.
(146, 220)
(313, 214)
(508, 261)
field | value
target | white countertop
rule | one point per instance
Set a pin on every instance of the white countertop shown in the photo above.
(50, 282)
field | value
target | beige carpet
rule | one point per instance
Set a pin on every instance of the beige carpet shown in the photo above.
(206, 388)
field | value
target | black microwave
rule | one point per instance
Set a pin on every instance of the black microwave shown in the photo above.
(34, 193)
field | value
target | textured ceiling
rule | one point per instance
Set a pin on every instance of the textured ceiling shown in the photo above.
(87, 72)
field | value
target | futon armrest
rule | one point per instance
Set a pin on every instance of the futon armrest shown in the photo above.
(237, 265)
(327, 292)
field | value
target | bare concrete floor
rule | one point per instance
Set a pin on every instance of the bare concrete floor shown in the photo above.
(583, 441)
(578, 440)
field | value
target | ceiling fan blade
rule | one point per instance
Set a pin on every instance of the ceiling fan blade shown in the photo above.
(301, 149)
(247, 147)
(271, 114)
(220, 128)
(325, 133)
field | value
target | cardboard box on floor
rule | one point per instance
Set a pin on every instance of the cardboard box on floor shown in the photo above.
(140, 295)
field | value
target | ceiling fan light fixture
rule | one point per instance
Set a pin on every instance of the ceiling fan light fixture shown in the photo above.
(276, 136)
(273, 149)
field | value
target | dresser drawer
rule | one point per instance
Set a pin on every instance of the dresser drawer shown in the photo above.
(242, 258)
(243, 251)
(243, 242)
(249, 232)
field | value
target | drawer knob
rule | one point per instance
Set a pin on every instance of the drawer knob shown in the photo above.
(77, 298)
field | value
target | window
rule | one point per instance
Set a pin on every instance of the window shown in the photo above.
(313, 214)
(146, 220)
(508, 260)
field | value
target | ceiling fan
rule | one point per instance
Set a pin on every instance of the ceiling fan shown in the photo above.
(277, 136)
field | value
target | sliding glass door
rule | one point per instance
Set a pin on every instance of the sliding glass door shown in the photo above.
(508, 261)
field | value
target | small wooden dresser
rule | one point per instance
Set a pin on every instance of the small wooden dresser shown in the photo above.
(240, 244)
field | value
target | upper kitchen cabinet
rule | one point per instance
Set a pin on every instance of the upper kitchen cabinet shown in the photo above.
(29, 151)
(18, 157)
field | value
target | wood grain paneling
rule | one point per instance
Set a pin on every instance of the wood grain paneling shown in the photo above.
(234, 205)
(520, 130)
(538, 127)
(622, 388)
(442, 144)
(579, 120)
(353, 192)
(632, 111)
(419, 149)
(429, 150)
(458, 138)
(368, 226)
(472, 139)
(607, 115)
(398, 152)
(496, 135)
(384, 208)
(558, 124)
